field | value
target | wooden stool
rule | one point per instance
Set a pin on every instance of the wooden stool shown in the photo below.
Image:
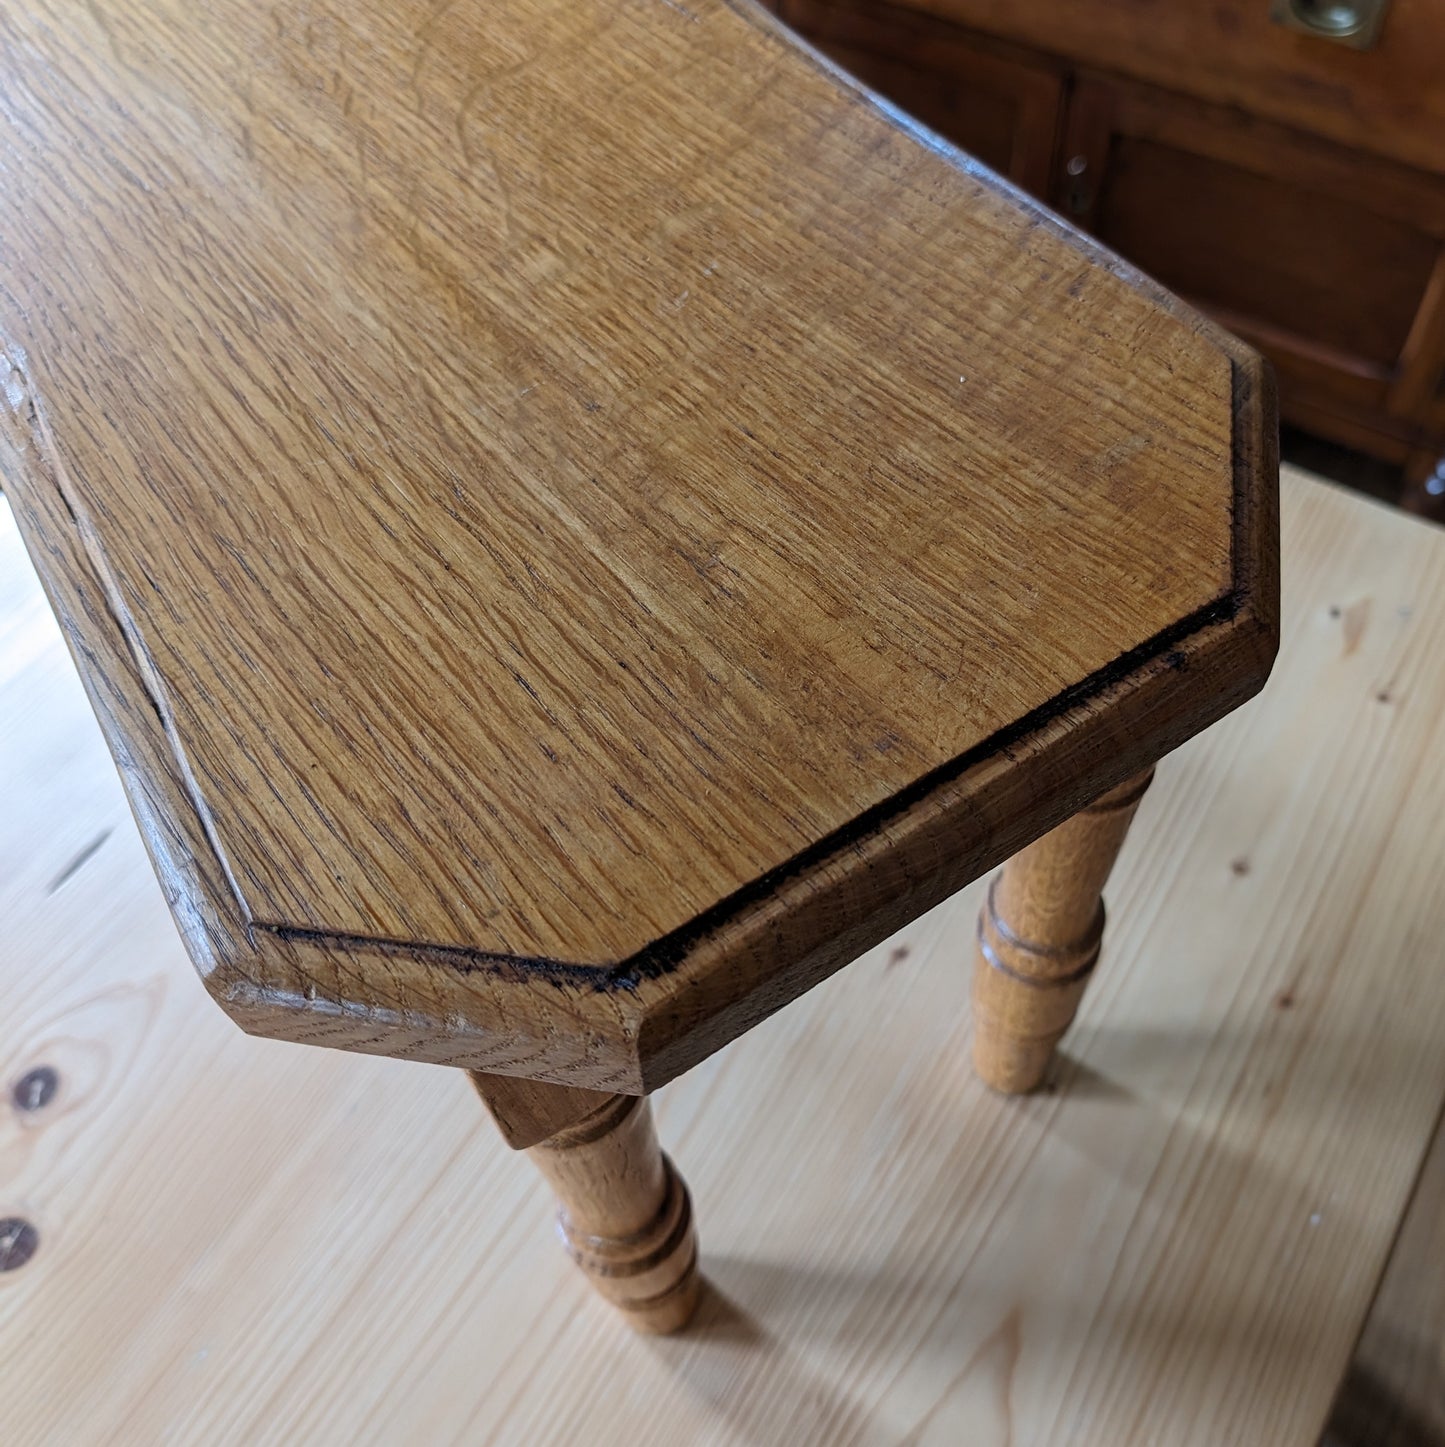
(577, 522)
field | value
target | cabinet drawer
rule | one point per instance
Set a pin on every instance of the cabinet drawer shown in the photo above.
(1389, 100)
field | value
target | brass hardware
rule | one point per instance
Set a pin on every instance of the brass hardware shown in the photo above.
(1355, 23)
(1080, 194)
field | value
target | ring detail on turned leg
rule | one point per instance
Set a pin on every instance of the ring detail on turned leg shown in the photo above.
(650, 1275)
(624, 1213)
(1039, 935)
(1015, 1035)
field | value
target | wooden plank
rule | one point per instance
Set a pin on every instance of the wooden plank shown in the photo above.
(244, 1242)
(625, 522)
(1394, 1393)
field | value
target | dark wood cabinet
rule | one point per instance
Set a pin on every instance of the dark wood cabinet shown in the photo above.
(1328, 257)
(1332, 267)
(998, 106)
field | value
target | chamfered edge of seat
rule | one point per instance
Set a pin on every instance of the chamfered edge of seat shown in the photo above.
(967, 817)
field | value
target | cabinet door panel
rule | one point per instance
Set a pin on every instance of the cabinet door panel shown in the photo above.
(1299, 261)
(1327, 260)
(997, 106)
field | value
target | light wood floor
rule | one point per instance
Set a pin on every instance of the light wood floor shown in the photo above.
(1394, 1392)
(247, 1242)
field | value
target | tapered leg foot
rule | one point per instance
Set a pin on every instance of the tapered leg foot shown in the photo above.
(624, 1214)
(1038, 939)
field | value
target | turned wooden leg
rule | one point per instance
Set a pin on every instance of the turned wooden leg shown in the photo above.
(624, 1214)
(1038, 939)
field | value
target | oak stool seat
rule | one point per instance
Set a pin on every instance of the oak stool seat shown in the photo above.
(577, 521)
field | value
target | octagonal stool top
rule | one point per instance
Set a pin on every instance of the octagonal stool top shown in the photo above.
(577, 519)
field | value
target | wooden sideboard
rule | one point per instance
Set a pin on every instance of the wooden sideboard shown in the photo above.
(1290, 186)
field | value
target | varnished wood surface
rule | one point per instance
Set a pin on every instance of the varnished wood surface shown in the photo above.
(1328, 259)
(247, 1243)
(624, 1214)
(1039, 937)
(1389, 100)
(581, 522)
(528, 1111)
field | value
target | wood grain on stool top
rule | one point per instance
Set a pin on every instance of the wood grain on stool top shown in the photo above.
(586, 521)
